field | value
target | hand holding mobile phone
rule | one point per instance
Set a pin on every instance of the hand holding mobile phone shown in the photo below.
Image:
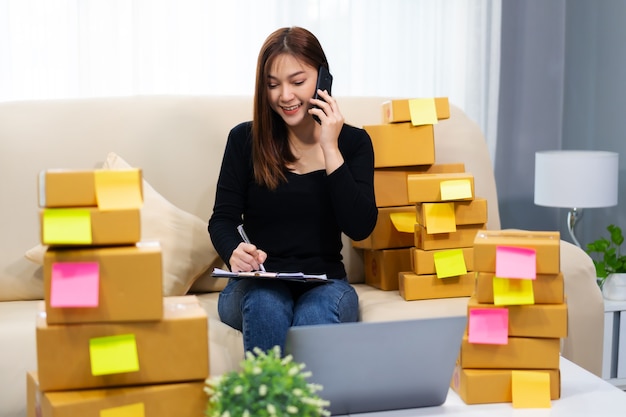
(324, 82)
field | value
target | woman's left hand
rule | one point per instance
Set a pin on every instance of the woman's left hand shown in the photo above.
(332, 122)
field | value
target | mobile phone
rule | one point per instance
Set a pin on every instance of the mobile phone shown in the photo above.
(324, 82)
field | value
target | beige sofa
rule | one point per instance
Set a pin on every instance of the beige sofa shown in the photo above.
(178, 143)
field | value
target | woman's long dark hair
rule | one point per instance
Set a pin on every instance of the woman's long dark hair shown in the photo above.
(270, 147)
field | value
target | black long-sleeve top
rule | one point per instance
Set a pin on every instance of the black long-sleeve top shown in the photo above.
(300, 223)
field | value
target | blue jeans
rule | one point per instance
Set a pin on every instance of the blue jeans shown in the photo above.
(265, 309)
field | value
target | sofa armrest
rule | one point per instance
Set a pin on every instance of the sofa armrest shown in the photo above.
(583, 345)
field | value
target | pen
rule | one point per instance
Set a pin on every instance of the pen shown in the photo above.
(244, 236)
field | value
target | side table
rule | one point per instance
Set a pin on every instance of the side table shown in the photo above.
(614, 354)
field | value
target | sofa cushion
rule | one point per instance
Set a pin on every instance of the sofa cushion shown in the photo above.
(188, 254)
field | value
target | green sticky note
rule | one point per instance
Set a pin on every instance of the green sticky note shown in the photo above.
(130, 410)
(450, 263)
(455, 189)
(70, 226)
(113, 354)
(513, 291)
(423, 111)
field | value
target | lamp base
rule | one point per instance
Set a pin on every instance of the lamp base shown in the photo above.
(573, 216)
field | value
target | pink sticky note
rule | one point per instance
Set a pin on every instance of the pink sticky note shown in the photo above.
(75, 284)
(488, 326)
(514, 262)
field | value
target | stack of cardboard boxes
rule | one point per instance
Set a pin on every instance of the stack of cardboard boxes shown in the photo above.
(516, 317)
(108, 342)
(428, 214)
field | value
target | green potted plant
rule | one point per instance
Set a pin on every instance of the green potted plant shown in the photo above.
(608, 260)
(267, 385)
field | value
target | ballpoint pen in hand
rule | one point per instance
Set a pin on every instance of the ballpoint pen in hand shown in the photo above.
(244, 236)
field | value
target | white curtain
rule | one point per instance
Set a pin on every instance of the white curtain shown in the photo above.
(51, 49)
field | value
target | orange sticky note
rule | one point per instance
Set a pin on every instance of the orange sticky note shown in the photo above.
(531, 389)
(513, 291)
(404, 221)
(515, 262)
(130, 410)
(67, 226)
(423, 111)
(488, 326)
(118, 189)
(439, 217)
(455, 189)
(450, 263)
(75, 284)
(113, 354)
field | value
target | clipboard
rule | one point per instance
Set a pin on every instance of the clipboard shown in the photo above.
(289, 276)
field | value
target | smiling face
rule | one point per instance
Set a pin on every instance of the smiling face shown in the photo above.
(290, 85)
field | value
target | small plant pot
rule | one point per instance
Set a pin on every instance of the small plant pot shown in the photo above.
(614, 287)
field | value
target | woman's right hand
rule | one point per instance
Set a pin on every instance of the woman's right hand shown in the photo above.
(246, 257)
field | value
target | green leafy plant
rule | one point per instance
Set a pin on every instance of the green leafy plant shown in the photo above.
(606, 254)
(268, 385)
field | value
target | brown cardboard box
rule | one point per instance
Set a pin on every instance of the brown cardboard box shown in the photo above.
(185, 399)
(484, 386)
(72, 188)
(423, 261)
(462, 238)
(382, 267)
(465, 212)
(130, 283)
(546, 245)
(426, 287)
(108, 227)
(547, 288)
(398, 110)
(174, 349)
(426, 188)
(402, 144)
(533, 320)
(385, 235)
(390, 184)
(519, 353)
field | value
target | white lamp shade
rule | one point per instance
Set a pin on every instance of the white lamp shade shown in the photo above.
(576, 179)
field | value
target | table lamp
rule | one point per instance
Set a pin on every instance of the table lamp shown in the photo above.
(576, 180)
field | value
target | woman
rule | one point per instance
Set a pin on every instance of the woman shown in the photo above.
(296, 185)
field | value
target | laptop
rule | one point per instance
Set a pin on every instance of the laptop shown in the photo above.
(376, 366)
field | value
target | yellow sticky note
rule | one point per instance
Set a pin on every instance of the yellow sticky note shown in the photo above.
(66, 226)
(404, 221)
(439, 218)
(450, 263)
(531, 389)
(130, 410)
(118, 189)
(513, 291)
(423, 111)
(455, 189)
(113, 354)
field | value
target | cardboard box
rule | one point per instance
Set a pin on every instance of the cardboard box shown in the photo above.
(108, 227)
(75, 188)
(399, 111)
(423, 261)
(484, 386)
(426, 287)
(390, 184)
(465, 212)
(402, 144)
(426, 188)
(382, 267)
(547, 288)
(385, 235)
(462, 238)
(533, 320)
(546, 245)
(185, 399)
(518, 353)
(129, 283)
(174, 349)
